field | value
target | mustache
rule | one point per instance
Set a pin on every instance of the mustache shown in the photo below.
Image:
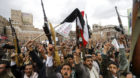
(90, 64)
(65, 73)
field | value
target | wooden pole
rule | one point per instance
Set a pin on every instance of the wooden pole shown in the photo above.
(39, 36)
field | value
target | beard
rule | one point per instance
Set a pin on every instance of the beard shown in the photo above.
(89, 66)
(66, 75)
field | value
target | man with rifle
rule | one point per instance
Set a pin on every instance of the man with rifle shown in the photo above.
(123, 64)
(120, 29)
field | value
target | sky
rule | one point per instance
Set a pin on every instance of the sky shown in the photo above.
(98, 11)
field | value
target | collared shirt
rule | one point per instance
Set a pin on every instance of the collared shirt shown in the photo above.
(49, 61)
(93, 72)
(34, 75)
(114, 76)
(92, 75)
(95, 64)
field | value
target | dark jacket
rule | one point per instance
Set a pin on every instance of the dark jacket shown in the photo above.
(17, 71)
(41, 66)
(51, 73)
(109, 75)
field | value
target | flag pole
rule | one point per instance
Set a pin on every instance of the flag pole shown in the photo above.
(57, 26)
(39, 35)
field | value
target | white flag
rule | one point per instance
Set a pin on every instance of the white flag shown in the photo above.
(115, 43)
(64, 29)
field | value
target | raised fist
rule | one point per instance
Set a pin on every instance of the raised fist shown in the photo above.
(50, 49)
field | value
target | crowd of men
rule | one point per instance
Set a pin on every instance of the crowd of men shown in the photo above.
(99, 59)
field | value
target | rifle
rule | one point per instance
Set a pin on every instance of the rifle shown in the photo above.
(48, 34)
(119, 19)
(46, 26)
(15, 39)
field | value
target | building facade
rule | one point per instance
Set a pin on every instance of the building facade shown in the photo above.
(3, 23)
(27, 19)
(23, 24)
(102, 33)
(16, 17)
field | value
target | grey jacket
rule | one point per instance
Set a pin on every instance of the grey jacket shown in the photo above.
(123, 63)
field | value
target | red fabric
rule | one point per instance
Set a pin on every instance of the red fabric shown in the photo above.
(3, 37)
(84, 41)
(82, 31)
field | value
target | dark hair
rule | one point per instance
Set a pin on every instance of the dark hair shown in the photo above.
(27, 65)
(70, 56)
(67, 65)
(114, 63)
(86, 57)
(97, 53)
(97, 46)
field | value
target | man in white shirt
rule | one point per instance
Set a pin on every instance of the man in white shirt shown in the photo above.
(95, 64)
(85, 69)
(29, 73)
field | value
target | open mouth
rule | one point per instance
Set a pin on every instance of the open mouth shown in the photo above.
(65, 74)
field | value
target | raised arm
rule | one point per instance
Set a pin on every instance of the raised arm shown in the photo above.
(34, 56)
